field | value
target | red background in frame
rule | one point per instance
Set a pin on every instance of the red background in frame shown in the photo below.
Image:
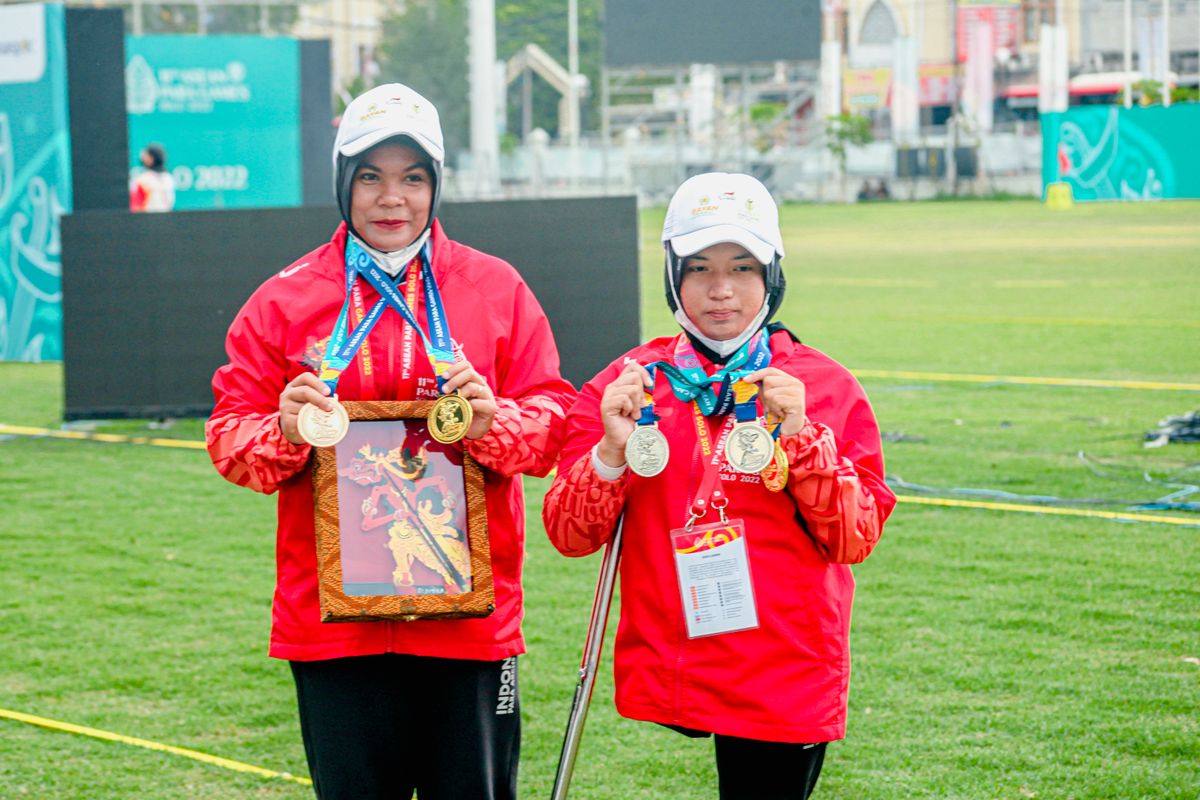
(366, 557)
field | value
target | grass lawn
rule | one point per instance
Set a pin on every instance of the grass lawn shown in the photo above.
(996, 655)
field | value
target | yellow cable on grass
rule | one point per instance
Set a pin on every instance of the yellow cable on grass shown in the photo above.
(20, 430)
(149, 745)
(1085, 382)
(1065, 512)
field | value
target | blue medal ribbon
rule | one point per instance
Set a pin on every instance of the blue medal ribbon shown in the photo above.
(438, 344)
(648, 417)
(714, 394)
(343, 346)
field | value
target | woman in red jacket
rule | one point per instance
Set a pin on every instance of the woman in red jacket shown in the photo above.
(748, 467)
(388, 707)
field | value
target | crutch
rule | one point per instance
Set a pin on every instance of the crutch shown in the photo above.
(591, 658)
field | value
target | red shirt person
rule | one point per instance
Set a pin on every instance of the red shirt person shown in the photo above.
(387, 707)
(759, 479)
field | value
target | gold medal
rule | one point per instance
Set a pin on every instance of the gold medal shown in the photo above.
(323, 428)
(450, 418)
(775, 475)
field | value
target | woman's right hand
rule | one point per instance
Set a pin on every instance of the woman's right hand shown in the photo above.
(305, 388)
(620, 407)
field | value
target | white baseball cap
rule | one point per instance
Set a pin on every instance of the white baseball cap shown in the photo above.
(723, 207)
(386, 111)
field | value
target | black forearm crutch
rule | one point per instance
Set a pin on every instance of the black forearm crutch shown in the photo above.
(591, 658)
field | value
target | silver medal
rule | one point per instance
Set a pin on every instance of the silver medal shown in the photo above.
(750, 448)
(647, 451)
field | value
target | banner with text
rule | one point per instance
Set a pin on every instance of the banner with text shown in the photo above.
(227, 111)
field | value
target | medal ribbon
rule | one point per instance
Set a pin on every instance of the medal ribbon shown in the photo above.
(714, 393)
(745, 397)
(438, 345)
(648, 417)
(342, 345)
(710, 492)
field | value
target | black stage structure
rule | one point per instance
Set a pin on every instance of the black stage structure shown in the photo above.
(147, 298)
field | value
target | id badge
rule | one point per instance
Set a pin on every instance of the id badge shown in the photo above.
(713, 568)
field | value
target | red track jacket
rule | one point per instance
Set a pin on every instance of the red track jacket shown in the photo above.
(788, 679)
(283, 329)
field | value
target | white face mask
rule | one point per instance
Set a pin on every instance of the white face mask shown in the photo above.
(722, 347)
(393, 263)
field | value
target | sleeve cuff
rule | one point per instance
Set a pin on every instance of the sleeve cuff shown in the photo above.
(604, 470)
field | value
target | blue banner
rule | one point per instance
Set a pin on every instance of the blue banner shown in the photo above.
(1116, 153)
(35, 180)
(227, 111)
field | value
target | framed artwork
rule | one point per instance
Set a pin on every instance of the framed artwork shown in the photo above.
(401, 521)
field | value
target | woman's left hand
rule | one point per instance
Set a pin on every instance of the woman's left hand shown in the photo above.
(473, 387)
(782, 396)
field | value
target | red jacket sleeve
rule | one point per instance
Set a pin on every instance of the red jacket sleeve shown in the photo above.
(581, 509)
(244, 439)
(841, 496)
(527, 431)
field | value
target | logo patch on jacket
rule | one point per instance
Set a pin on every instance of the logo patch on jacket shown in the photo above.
(314, 354)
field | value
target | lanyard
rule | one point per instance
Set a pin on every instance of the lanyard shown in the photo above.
(342, 344)
(365, 363)
(710, 494)
(714, 394)
(439, 346)
(648, 417)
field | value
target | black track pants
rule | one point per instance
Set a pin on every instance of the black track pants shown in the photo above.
(752, 770)
(380, 727)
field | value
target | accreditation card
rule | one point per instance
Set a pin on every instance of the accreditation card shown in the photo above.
(714, 578)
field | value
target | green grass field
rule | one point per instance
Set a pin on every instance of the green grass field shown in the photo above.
(996, 655)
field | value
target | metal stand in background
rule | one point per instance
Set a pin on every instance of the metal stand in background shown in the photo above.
(591, 658)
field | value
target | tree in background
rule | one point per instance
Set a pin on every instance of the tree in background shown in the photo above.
(843, 131)
(425, 47)
(544, 23)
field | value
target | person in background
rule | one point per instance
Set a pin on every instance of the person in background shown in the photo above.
(748, 470)
(152, 188)
(390, 707)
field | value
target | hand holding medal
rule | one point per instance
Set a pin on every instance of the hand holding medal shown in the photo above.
(784, 398)
(630, 435)
(467, 406)
(309, 415)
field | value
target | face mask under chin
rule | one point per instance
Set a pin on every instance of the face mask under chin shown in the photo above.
(723, 347)
(393, 263)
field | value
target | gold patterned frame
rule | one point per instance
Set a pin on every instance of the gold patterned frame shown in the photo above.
(336, 605)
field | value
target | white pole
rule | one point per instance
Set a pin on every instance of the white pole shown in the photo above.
(573, 85)
(1128, 53)
(485, 147)
(573, 70)
(1166, 57)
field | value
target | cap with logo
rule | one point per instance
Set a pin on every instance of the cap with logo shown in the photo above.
(721, 207)
(389, 110)
(375, 116)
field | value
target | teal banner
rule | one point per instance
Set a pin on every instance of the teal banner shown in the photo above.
(35, 180)
(1117, 153)
(227, 111)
